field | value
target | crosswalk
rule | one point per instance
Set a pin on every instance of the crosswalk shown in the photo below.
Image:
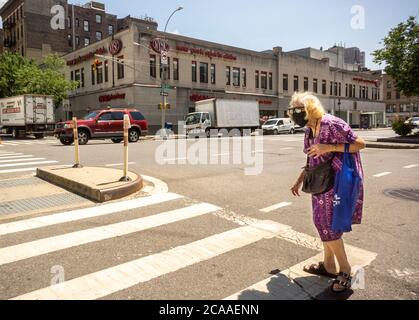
(14, 162)
(27, 142)
(24, 242)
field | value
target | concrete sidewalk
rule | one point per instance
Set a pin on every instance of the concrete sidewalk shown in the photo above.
(95, 183)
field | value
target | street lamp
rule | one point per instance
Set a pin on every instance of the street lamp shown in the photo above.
(163, 67)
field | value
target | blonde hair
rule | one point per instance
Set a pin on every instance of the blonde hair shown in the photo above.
(311, 103)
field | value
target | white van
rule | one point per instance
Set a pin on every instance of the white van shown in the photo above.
(277, 126)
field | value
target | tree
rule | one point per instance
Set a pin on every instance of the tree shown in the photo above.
(19, 75)
(401, 56)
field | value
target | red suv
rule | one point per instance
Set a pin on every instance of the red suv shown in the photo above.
(103, 124)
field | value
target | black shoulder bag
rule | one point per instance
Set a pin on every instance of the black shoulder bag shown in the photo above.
(319, 179)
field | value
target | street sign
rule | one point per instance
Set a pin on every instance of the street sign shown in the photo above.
(164, 94)
(164, 59)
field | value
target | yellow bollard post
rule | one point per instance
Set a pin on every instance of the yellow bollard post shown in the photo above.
(127, 126)
(76, 144)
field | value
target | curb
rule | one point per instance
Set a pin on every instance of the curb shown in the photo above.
(94, 194)
(377, 145)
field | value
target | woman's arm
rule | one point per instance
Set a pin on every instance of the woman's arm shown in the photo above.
(321, 149)
(296, 187)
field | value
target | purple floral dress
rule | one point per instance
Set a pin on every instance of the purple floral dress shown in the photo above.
(333, 130)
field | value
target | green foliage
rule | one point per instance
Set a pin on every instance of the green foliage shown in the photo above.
(19, 75)
(401, 128)
(401, 56)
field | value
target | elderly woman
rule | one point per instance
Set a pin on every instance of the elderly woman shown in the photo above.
(325, 140)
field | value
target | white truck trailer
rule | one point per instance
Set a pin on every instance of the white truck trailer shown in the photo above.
(27, 115)
(222, 114)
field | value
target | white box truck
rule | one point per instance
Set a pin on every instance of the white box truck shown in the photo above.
(27, 115)
(222, 114)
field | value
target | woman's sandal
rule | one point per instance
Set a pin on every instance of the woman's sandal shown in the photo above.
(344, 281)
(320, 270)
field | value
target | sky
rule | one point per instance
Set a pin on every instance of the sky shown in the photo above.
(264, 24)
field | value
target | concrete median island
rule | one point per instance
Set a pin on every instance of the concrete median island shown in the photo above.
(95, 183)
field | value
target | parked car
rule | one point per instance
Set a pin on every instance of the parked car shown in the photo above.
(103, 124)
(277, 126)
(414, 122)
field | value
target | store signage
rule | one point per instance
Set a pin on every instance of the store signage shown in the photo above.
(86, 57)
(198, 97)
(115, 47)
(110, 97)
(207, 53)
(158, 45)
(265, 102)
(376, 82)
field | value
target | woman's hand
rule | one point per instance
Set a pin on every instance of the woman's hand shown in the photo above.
(318, 150)
(296, 187)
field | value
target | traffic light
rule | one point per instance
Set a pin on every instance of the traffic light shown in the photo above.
(96, 64)
(166, 106)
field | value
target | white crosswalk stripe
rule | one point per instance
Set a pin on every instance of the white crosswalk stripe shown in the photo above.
(27, 142)
(113, 278)
(14, 161)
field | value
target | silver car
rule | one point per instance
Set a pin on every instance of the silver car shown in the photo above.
(277, 126)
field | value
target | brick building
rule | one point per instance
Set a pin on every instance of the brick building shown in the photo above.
(1, 40)
(398, 106)
(28, 26)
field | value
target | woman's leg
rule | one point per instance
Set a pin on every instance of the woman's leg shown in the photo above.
(329, 259)
(338, 249)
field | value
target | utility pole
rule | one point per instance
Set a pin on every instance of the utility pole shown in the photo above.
(163, 66)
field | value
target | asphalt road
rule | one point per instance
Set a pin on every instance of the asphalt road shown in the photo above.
(390, 228)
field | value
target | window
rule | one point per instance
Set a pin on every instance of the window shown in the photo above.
(69, 22)
(285, 82)
(346, 90)
(117, 116)
(340, 89)
(98, 18)
(388, 84)
(236, 77)
(264, 80)
(193, 71)
(107, 116)
(77, 78)
(137, 116)
(416, 107)
(270, 80)
(86, 25)
(331, 88)
(305, 84)
(228, 76)
(213, 74)
(166, 69)
(98, 35)
(86, 41)
(257, 79)
(153, 67)
(397, 95)
(323, 86)
(106, 71)
(82, 77)
(99, 74)
(72, 76)
(367, 93)
(77, 41)
(203, 72)
(77, 22)
(244, 78)
(315, 86)
(121, 69)
(110, 29)
(69, 40)
(295, 83)
(353, 91)
(93, 74)
(175, 69)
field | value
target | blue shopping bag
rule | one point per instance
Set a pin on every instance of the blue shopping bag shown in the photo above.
(347, 183)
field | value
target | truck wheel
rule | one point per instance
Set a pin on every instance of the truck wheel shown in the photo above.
(208, 133)
(39, 136)
(16, 133)
(83, 137)
(133, 135)
(116, 140)
(292, 131)
(66, 141)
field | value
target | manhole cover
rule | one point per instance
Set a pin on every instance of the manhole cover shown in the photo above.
(405, 194)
